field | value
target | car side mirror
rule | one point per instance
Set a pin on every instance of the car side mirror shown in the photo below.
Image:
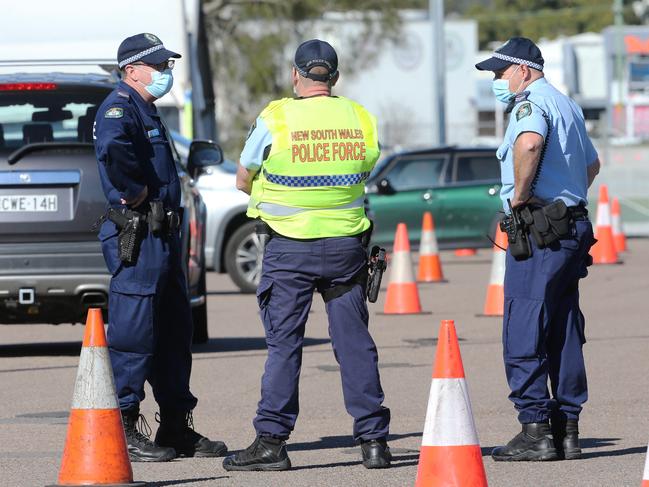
(384, 187)
(203, 154)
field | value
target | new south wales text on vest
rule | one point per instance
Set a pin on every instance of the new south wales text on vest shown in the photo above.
(327, 145)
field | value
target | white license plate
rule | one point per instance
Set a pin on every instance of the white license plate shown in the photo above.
(32, 202)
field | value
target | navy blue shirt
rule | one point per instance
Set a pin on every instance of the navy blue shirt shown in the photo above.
(133, 150)
(563, 173)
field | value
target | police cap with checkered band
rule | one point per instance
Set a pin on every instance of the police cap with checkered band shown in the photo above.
(517, 50)
(145, 48)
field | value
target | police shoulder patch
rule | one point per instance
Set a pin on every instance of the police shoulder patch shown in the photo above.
(525, 110)
(114, 112)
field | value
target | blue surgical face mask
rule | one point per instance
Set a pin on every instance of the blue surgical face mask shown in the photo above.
(161, 83)
(500, 88)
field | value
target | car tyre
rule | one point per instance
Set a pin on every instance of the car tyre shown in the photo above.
(243, 256)
(199, 314)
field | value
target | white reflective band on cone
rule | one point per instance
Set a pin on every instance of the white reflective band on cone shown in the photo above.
(603, 215)
(449, 419)
(498, 268)
(428, 244)
(275, 209)
(95, 386)
(401, 268)
(617, 226)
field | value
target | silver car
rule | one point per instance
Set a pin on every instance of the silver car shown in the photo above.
(231, 244)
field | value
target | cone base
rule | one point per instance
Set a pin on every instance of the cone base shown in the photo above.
(95, 449)
(132, 484)
(383, 313)
(441, 466)
(430, 269)
(402, 298)
(465, 252)
(495, 302)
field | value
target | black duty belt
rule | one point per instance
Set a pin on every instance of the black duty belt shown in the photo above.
(158, 223)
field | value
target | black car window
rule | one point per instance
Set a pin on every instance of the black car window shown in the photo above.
(477, 168)
(44, 112)
(416, 173)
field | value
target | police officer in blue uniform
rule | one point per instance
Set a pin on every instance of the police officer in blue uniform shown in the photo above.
(547, 164)
(294, 267)
(150, 325)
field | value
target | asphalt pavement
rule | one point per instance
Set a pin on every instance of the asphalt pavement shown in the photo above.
(38, 365)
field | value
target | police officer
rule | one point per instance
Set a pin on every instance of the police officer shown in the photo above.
(304, 164)
(547, 164)
(150, 325)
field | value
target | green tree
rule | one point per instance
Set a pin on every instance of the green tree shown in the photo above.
(254, 40)
(501, 19)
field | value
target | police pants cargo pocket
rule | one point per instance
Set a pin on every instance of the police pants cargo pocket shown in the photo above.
(263, 299)
(522, 327)
(108, 241)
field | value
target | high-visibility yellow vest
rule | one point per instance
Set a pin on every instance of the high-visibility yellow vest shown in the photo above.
(312, 182)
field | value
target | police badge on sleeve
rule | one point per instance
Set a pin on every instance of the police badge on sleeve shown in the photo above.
(114, 112)
(525, 110)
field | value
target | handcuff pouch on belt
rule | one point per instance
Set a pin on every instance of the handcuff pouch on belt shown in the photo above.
(545, 224)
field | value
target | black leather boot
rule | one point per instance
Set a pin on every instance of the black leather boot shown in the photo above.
(566, 438)
(533, 444)
(177, 431)
(140, 447)
(265, 453)
(376, 453)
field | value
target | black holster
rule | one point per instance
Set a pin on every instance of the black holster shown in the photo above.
(132, 230)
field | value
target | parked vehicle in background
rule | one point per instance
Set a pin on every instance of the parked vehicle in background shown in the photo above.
(231, 244)
(51, 264)
(459, 185)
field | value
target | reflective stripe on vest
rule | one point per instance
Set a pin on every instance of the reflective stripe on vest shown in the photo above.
(281, 210)
(314, 181)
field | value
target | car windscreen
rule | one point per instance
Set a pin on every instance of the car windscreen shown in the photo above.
(46, 112)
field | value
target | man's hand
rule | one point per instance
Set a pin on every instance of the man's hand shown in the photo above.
(138, 200)
(244, 178)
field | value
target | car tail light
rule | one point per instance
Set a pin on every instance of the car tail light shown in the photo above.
(27, 86)
(195, 236)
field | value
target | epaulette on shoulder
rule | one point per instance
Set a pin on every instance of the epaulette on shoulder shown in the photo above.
(123, 94)
(274, 105)
(522, 96)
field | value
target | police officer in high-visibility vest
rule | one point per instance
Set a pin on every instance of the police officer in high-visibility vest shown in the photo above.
(547, 164)
(304, 165)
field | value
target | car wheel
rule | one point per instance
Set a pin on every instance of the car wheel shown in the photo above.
(243, 256)
(199, 315)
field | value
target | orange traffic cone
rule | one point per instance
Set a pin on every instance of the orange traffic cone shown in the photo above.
(645, 476)
(494, 303)
(450, 453)
(619, 239)
(95, 448)
(402, 296)
(465, 252)
(603, 252)
(430, 267)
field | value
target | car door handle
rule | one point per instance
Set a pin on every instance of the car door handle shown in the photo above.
(428, 196)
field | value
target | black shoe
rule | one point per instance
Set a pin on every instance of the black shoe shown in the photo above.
(177, 431)
(140, 447)
(566, 438)
(533, 444)
(265, 453)
(376, 453)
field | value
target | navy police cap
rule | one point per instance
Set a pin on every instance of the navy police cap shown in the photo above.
(517, 50)
(316, 53)
(146, 48)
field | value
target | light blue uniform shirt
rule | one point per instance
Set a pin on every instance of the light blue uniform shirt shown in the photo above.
(252, 155)
(563, 173)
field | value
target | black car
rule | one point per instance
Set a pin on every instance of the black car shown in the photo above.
(51, 265)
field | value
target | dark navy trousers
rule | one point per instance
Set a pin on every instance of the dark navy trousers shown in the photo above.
(543, 328)
(292, 271)
(150, 327)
